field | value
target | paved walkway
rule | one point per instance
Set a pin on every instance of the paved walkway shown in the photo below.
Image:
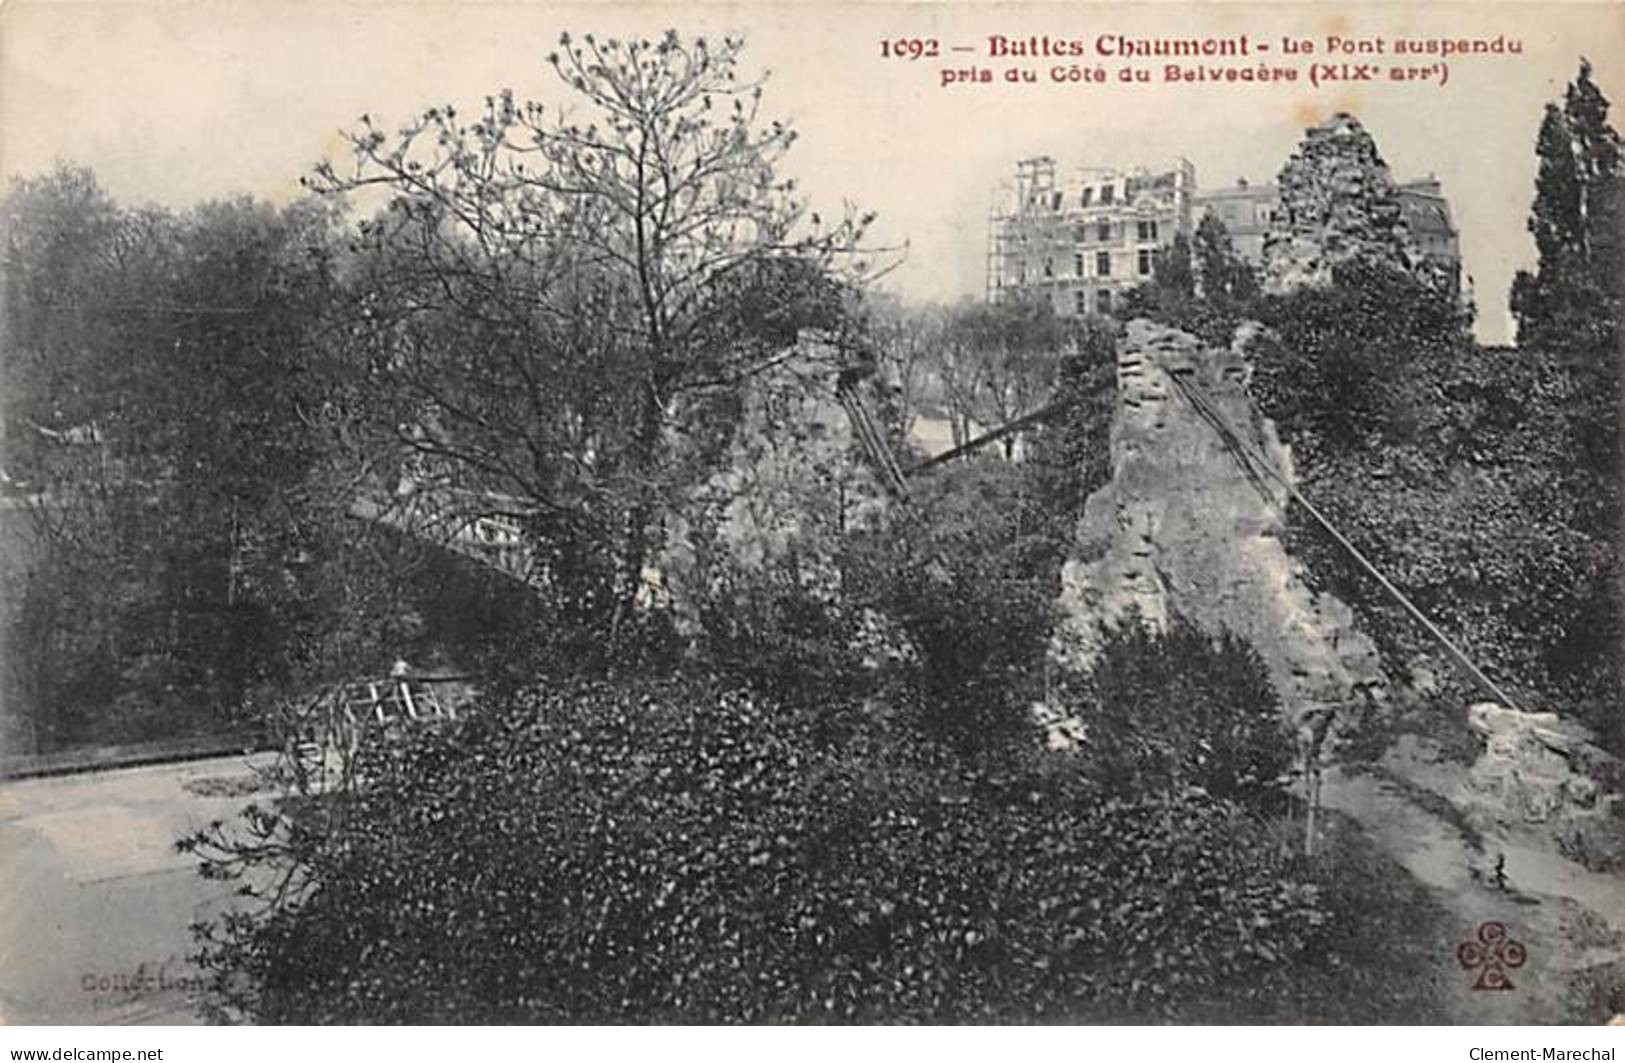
(95, 903)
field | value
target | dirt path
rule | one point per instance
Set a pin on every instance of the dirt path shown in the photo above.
(1570, 921)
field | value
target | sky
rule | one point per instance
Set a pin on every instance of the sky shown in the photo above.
(174, 103)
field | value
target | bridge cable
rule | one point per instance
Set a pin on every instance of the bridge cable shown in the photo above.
(873, 443)
(1247, 455)
(1041, 414)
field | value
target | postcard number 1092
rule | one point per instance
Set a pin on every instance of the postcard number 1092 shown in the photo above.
(910, 48)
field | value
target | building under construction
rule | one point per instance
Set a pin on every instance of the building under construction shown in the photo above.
(1083, 239)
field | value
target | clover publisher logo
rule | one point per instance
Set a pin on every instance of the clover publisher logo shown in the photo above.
(1492, 956)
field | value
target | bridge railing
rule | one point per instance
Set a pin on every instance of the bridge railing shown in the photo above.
(321, 735)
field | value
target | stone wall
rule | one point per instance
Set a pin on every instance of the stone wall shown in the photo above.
(1181, 527)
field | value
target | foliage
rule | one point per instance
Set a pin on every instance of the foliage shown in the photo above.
(1360, 365)
(1200, 285)
(1225, 279)
(941, 610)
(957, 576)
(162, 383)
(1179, 709)
(553, 315)
(676, 853)
(777, 632)
(560, 305)
(1070, 454)
(1375, 957)
(1569, 315)
(1483, 481)
(1438, 459)
(1573, 300)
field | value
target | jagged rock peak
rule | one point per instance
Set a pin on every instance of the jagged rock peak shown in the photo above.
(1338, 202)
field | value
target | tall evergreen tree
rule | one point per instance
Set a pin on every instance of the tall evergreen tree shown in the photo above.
(1569, 309)
(1569, 317)
(1570, 306)
(1226, 279)
(1174, 269)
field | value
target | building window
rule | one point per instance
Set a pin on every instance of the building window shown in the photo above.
(1145, 259)
(1081, 300)
(1103, 301)
(1088, 196)
(1055, 201)
(1108, 194)
(1049, 267)
(1103, 264)
(1080, 233)
(1103, 232)
(1077, 263)
(1147, 230)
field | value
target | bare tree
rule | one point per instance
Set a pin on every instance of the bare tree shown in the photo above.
(561, 304)
(998, 362)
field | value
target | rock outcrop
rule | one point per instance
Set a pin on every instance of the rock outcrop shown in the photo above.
(1183, 528)
(789, 485)
(1538, 768)
(1338, 202)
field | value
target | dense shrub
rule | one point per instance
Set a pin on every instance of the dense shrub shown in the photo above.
(1069, 457)
(784, 636)
(966, 577)
(942, 609)
(683, 854)
(1166, 711)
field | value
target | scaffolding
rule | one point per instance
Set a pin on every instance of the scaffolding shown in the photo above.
(1023, 225)
(1040, 228)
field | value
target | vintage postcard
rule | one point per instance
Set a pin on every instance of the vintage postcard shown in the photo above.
(812, 513)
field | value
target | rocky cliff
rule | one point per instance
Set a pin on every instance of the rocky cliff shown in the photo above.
(1182, 527)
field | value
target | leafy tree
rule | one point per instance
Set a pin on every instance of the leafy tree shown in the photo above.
(1200, 284)
(1174, 270)
(1569, 329)
(161, 417)
(1225, 278)
(1569, 309)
